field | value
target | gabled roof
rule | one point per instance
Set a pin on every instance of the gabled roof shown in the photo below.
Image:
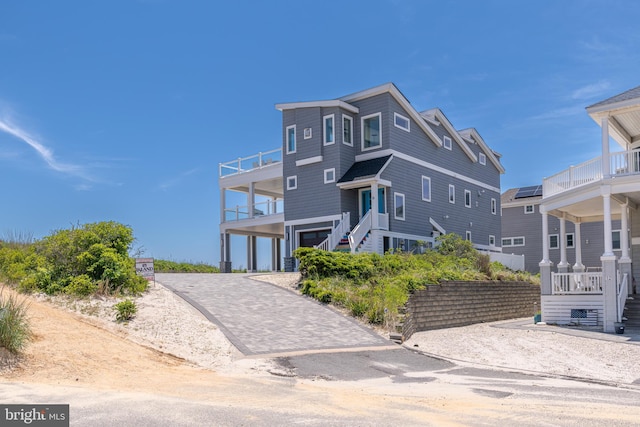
(472, 134)
(438, 115)
(364, 169)
(631, 96)
(309, 104)
(623, 114)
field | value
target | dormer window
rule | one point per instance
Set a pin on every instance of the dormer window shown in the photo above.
(401, 122)
(446, 142)
(482, 158)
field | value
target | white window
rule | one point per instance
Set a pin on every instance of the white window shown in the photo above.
(494, 205)
(554, 243)
(446, 141)
(426, 189)
(292, 182)
(372, 131)
(347, 130)
(401, 122)
(329, 175)
(467, 235)
(482, 158)
(492, 240)
(329, 134)
(308, 132)
(467, 198)
(291, 139)
(513, 241)
(452, 193)
(615, 237)
(529, 209)
(398, 206)
(570, 240)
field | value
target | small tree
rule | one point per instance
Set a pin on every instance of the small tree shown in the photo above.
(454, 245)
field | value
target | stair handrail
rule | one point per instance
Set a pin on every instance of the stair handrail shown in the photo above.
(337, 233)
(623, 291)
(359, 231)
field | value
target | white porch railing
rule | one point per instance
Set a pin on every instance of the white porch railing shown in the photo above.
(623, 293)
(246, 164)
(620, 163)
(359, 231)
(576, 283)
(341, 229)
(269, 207)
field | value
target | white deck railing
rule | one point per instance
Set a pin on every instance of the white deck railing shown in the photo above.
(576, 283)
(246, 164)
(620, 163)
(339, 231)
(359, 231)
(260, 209)
(623, 293)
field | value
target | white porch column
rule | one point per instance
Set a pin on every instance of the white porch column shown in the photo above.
(374, 206)
(624, 232)
(606, 164)
(563, 265)
(545, 264)
(578, 266)
(606, 205)
(545, 235)
(251, 199)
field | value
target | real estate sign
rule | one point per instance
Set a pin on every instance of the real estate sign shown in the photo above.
(144, 268)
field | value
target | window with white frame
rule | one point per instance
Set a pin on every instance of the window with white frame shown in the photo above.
(308, 133)
(398, 206)
(492, 240)
(615, 239)
(347, 130)
(371, 131)
(329, 129)
(494, 205)
(292, 182)
(446, 141)
(482, 158)
(529, 209)
(329, 175)
(554, 243)
(569, 240)
(426, 188)
(467, 235)
(291, 139)
(512, 241)
(401, 122)
(452, 193)
(467, 198)
(518, 241)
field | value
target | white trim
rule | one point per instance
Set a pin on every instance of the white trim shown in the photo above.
(350, 120)
(447, 143)
(493, 155)
(317, 219)
(438, 227)
(309, 161)
(533, 209)
(406, 119)
(293, 186)
(333, 171)
(494, 206)
(362, 119)
(482, 159)
(310, 104)
(324, 129)
(295, 143)
(395, 207)
(557, 236)
(467, 235)
(492, 237)
(511, 239)
(467, 193)
(308, 133)
(422, 192)
(386, 152)
(452, 194)
(573, 240)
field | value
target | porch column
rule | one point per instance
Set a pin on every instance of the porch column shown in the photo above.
(225, 253)
(606, 205)
(374, 206)
(545, 264)
(606, 163)
(563, 265)
(625, 261)
(275, 254)
(609, 292)
(578, 266)
(251, 198)
(252, 254)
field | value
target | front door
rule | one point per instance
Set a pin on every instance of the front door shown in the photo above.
(365, 201)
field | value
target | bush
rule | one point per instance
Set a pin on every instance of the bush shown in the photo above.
(125, 310)
(164, 266)
(15, 331)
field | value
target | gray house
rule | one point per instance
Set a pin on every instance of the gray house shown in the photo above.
(364, 172)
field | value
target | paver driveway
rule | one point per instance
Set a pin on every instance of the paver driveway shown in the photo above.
(260, 318)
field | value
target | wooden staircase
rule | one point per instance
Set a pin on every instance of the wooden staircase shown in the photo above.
(343, 244)
(632, 312)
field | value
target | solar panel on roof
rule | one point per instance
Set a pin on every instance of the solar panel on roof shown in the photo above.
(532, 191)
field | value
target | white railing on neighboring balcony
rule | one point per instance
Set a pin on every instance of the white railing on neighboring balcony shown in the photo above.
(338, 232)
(260, 209)
(623, 293)
(246, 164)
(576, 283)
(620, 163)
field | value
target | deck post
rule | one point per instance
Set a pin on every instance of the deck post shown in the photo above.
(563, 265)
(610, 292)
(578, 266)
(606, 162)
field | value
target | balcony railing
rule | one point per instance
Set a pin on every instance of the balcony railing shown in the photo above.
(260, 209)
(246, 164)
(576, 283)
(620, 163)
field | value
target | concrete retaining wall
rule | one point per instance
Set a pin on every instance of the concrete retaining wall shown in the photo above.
(452, 304)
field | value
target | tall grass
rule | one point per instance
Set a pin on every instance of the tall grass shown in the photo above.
(15, 330)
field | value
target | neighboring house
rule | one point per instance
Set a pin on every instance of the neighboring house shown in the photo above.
(522, 232)
(606, 190)
(365, 172)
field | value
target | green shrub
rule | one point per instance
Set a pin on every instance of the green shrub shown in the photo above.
(125, 310)
(164, 266)
(81, 285)
(15, 330)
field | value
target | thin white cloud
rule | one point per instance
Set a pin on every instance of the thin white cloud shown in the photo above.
(44, 152)
(177, 180)
(592, 90)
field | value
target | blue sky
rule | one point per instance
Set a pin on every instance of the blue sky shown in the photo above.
(122, 110)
